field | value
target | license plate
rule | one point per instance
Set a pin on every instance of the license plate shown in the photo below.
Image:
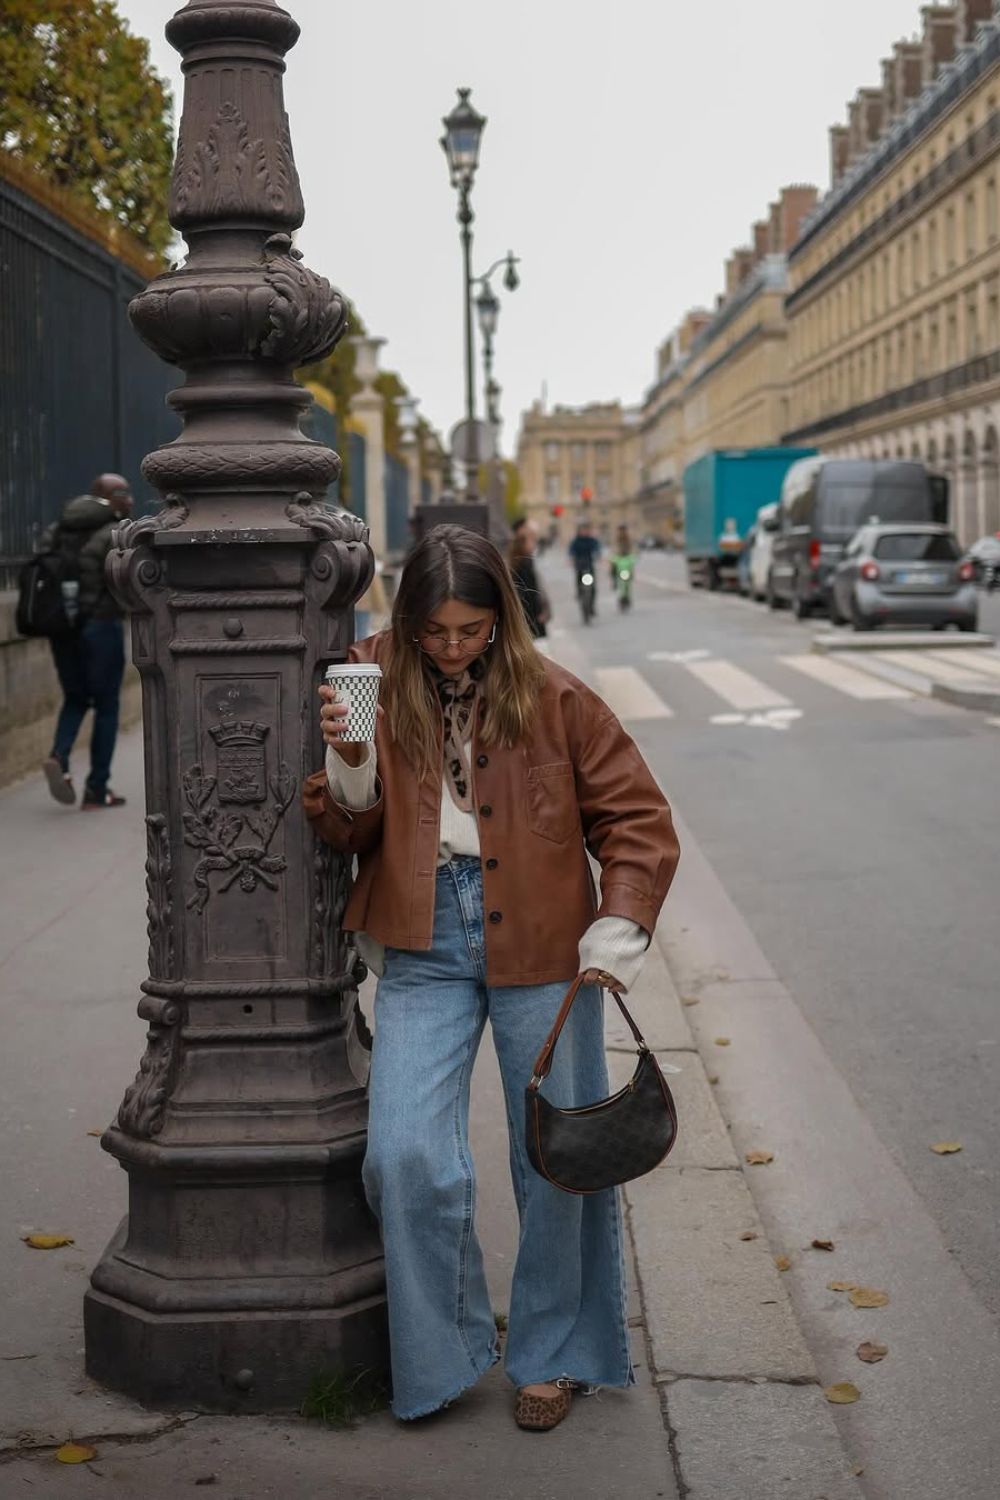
(932, 579)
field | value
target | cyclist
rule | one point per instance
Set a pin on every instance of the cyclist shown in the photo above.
(584, 550)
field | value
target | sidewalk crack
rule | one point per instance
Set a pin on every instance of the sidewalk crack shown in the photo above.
(31, 1449)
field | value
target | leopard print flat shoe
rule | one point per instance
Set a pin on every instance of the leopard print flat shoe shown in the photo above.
(542, 1413)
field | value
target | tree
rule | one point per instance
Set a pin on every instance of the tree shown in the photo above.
(81, 103)
(336, 374)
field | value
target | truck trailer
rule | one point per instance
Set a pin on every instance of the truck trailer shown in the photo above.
(723, 491)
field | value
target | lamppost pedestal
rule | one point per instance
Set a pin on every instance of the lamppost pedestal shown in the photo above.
(249, 1262)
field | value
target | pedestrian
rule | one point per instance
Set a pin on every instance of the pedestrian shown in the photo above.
(521, 561)
(492, 774)
(91, 662)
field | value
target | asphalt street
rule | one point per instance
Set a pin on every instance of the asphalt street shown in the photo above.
(859, 839)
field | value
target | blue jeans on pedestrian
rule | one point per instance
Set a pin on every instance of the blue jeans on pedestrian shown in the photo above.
(90, 666)
(567, 1310)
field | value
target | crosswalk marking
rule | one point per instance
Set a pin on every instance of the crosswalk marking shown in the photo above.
(924, 663)
(629, 695)
(980, 661)
(735, 686)
(843, 678)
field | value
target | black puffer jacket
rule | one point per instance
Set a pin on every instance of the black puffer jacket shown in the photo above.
(85, 528)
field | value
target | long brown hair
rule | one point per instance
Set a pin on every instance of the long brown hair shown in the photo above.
(451, 562)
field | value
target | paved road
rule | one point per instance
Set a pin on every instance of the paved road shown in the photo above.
(859, 839)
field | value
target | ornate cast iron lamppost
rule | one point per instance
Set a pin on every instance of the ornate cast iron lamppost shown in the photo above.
(488, 312)
(248, 1262)
(463, 131)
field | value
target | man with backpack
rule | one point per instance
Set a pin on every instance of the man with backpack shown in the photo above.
(86, 633)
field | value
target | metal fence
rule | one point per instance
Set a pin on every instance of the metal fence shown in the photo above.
(397, 505)
(79, 393)
(322, 426)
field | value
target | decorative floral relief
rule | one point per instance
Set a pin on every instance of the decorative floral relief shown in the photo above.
(209, 828)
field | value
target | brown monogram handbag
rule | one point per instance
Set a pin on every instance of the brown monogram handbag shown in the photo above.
(599, 1145)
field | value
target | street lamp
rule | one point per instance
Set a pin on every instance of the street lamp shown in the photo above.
(463, 131)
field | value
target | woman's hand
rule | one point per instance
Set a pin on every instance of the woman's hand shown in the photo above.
(606, 981)
(333, 723)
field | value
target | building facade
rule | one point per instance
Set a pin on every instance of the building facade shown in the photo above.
(722, 376)
(894, 299)
(573, 463)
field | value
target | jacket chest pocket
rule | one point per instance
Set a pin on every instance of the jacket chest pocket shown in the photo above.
(552, 807)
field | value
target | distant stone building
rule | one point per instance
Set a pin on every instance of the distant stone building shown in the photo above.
(573, 463)
(894, 299)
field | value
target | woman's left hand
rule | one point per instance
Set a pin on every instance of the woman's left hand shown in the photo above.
(605, 980)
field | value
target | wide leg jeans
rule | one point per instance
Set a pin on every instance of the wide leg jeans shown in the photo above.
(567, 1309)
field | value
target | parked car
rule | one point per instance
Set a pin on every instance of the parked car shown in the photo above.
(984, 556)
(904, 575)
(823, 502)
(761, 549)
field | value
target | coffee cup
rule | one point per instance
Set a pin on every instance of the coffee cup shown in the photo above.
(357, 685)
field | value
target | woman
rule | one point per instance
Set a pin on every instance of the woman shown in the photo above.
(521, 561)
(493, 771)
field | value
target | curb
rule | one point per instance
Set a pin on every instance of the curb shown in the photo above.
(984, 699)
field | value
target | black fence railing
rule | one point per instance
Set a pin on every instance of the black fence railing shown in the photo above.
(79, 393)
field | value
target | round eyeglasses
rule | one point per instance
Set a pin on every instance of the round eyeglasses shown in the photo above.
(435, 644)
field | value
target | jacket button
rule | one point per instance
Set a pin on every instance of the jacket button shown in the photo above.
(482, 760)
(496, 916)
(491, 864)
(486, 811)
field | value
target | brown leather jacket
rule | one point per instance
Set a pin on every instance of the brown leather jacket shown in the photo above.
(580, 784)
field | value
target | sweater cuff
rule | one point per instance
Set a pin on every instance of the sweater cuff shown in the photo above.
(616, 946)
(352, 786)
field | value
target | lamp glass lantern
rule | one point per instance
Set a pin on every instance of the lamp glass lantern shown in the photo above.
(463, 131)
(488, 310)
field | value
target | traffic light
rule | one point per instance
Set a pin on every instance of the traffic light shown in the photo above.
(586, 494)
(558, 510)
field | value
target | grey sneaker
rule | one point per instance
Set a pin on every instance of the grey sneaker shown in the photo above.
(60, 781)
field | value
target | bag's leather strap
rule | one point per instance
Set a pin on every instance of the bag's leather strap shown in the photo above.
(543, 1062)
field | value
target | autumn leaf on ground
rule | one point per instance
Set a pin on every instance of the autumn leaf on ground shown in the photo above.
(871, 1353)
(946, 1148)
(95, 1132)
(843, 1393)
(713, 1077)
(689, 1000)
(867, 1296)
(749, 1234)
(75, 1453)
(821, 1245)
(759, 1158)
(48, 1241)
(722, 1041)
(782, 1262)
(842, 1286)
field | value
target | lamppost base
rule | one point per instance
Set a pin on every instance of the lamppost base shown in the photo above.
(234, 1344)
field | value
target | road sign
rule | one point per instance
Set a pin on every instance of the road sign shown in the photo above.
(471, 442)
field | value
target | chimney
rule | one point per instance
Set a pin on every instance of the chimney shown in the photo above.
(889, 88)
(738, 268)
(939, 39)
(968, 14)
(907, 63)
(761, 231)
(840, 141)
(694, 322)
(866, 113)
(787, 214)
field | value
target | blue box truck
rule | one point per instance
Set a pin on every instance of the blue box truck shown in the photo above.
(723, 491)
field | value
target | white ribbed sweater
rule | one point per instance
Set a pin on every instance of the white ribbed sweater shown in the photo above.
(613, 944)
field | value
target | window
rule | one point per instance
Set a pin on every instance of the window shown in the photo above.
(934, 345)
(875, 384)
(970, 224)
(886, 299)
(949, 238)
(872, 298)
(552, 452)
(577, 484)
(917, 344)
(971, 325)
(932, 248)
(603, 483)
(603, 451)
(992, 221)
(552, 489)
(901, 270)
(915, 261)
(918, 546)
(576, 454)
(993, 313)
(951, 333)
(904, 373)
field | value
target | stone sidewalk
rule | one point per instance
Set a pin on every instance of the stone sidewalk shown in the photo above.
(727, 1405)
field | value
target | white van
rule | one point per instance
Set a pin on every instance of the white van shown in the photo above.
(761, 549)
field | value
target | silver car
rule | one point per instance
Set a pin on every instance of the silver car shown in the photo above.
(907, 574)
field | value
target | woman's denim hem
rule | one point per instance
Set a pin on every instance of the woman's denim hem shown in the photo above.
(433, 1406)
(583, 1380)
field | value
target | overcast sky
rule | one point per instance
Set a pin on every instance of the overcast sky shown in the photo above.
(628, 148)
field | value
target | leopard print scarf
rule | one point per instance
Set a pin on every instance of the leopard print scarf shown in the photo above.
(458, 703)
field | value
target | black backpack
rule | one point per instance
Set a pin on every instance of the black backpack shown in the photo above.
(48, 591)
